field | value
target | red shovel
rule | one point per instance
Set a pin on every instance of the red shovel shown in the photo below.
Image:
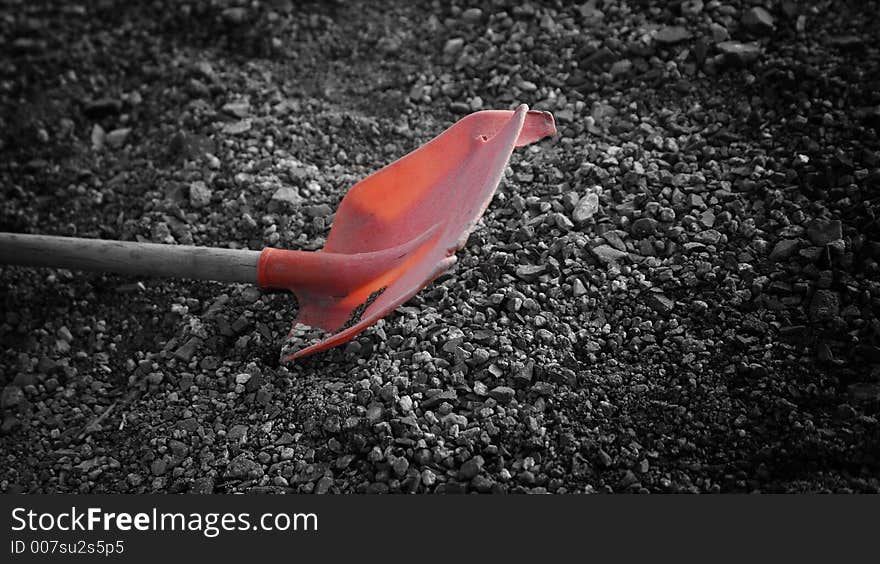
(395, 232)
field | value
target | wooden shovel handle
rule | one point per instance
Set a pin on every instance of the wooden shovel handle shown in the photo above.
(126, 257)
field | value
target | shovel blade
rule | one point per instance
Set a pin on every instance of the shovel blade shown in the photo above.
(398, 229)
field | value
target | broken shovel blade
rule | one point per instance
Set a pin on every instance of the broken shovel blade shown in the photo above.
(398, 229)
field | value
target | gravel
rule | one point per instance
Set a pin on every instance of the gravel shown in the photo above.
(676, 294)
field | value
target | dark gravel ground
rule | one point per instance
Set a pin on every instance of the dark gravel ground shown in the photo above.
(679, 293)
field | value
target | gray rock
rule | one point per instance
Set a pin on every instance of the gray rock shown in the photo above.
(742, 53)
(159, 467)
(607, 254)
(190, 425)
(436, 399)
(11, 396)
(188, 349)
(199, 194)
(621, 67)
(178, 448)
(243, 468)
(235, 16)
(323, 485)
(98, 137)
(691, 7)
(161, 233)
(530, 272)
(287, 195)
(570, 200)
(707, 218)
(660, 303)
(375, 411)
(708, 237)
(318, 210)
(784, 249)
(523, 376)
(482, 484)
(472, 15)
(10, 423)
(429, 478)
(405, 403)
(719, 32)
(202, 486)
(629, 479)
(480, 389)
(116, 138)
(237, 127)
(563, 222)
(590, 13)
(577, 288)
(825, 305)
(400, 466)
(564, 115)
(758, 20)
(203, 69)
(585, 208)
(668, 215)
(671, 35)
(823, 231)
(471, 468)
(191, 146)
(237, 433)
(453, 46)
(377, 488)
(65, 334)
(237, 109)
(615, 240)
(644, 226)
(502, 394)
(479, 356)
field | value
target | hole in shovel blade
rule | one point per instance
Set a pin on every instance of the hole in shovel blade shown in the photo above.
(302, 335)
